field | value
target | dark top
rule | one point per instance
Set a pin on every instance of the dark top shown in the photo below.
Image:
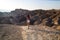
(28, 17)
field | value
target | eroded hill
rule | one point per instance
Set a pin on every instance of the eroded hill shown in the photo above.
(18, 16)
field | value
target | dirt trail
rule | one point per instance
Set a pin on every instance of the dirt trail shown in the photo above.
(10, 32)
(35, 32)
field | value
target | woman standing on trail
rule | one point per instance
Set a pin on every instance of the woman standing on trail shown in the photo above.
(28, 20)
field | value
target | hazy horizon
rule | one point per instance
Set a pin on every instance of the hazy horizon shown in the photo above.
(9, 5)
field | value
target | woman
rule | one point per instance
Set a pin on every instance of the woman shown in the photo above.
(28, 20)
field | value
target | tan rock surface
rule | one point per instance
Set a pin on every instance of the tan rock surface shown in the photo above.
(35, 32)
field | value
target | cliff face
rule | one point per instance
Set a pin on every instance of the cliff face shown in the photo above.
(18, 16)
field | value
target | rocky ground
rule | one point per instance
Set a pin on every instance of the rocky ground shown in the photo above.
(10, 32)
(35, 32)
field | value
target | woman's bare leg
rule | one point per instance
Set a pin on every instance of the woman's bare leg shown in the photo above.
(28, 25)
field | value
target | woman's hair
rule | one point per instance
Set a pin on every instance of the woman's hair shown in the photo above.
(28, 16)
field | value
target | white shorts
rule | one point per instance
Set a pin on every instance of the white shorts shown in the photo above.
(28, 21)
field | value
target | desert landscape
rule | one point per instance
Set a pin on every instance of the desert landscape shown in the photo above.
(13, 25)
(29, 19)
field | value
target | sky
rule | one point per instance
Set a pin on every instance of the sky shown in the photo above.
(8, 5)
